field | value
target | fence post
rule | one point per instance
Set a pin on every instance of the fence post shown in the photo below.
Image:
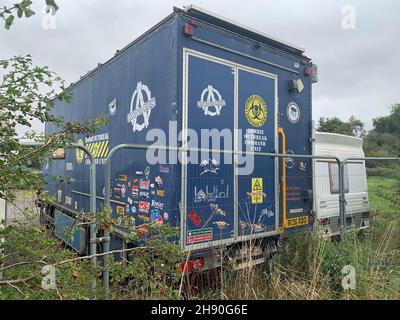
(3, 216)
(92, 207)
(342, 197)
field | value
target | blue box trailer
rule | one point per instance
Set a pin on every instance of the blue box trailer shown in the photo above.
(207, 79)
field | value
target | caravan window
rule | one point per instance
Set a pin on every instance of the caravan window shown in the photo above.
(334, 177)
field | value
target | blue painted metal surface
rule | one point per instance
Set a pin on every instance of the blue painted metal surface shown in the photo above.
(63, 227)
(257, 213)
(142, 88)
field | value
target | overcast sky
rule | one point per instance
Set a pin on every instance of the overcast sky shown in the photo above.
(358, 68)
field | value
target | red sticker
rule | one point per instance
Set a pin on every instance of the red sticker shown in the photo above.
(193, 216)
(144, 206)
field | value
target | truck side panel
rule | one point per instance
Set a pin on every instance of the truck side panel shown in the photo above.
(137, 91)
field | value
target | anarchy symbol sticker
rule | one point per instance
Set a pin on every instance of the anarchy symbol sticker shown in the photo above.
(211, 101)
(141, 105)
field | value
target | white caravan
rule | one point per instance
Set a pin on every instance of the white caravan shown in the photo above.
(326, 183)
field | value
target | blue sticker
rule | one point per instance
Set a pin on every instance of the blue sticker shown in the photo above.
(155, 214)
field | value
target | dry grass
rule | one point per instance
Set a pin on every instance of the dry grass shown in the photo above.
(311, 268)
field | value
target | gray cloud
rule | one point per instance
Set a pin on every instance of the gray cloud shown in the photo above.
(358, 69)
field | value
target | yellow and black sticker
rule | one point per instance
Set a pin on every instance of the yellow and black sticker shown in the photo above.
(99, 149)
(120, 210)
(256, 111)
(296, 222)
(256, 190)
(122, 177)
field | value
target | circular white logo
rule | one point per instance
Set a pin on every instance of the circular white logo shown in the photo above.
(141, 105)
(293, 112)
(212, 100)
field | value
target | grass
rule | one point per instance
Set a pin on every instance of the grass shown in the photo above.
(311, 268)
(384, 197)
(382, 191)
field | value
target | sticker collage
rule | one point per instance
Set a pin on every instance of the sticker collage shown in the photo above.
(143, 196)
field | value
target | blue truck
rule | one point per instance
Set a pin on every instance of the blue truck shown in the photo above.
(195, 80)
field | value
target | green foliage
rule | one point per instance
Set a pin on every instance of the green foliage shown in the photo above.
(28, 92)
(310, 267)
(27, 249)
(390, 123)
(351, 127)
(150, 272)
(384, 141)
(22, 8)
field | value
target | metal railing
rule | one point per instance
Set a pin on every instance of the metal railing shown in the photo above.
(184, 150)
(107, 180)
(342, 211)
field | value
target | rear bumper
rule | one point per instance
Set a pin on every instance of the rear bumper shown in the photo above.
(330, 226)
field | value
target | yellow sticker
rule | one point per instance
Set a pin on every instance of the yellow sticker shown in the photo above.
(122, 177)
(257, 190)
(79, 153)
(256, 111)
(120, 210)
(295, 222)
(99, 149)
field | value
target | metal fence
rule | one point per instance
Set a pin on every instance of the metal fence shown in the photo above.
(336, 177)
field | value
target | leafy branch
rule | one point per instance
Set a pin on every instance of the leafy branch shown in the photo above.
(21, 9)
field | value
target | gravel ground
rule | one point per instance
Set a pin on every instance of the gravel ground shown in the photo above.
(23, 211)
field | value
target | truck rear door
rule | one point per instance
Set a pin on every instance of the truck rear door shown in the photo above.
(226, 197)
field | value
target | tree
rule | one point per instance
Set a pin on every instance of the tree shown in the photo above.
(352, 127)
(384, 141)
(384, 138)
(28, 92)
(389, 124)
